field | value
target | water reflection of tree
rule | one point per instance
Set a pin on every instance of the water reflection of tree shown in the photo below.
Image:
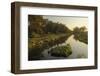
(43, 34)
(81, 34)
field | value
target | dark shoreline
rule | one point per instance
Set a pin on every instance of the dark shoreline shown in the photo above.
(35, 51)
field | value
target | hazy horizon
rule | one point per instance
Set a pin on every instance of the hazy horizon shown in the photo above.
(70, 22)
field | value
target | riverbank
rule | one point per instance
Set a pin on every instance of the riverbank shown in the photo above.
(82, 36)
(36, 45)
(61, 51)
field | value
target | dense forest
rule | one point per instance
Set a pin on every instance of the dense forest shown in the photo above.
(38, 25)
(43, 34)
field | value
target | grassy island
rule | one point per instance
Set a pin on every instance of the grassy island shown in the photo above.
(61, 51)
(44, 34)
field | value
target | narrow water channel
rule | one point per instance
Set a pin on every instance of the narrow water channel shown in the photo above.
(79, 49)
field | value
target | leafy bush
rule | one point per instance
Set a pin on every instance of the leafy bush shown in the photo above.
(61, 51)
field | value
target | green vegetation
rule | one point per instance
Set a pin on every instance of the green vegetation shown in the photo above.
(37, 44)
(61, 51)
(43, 34)
(81, 34)
(40, 26)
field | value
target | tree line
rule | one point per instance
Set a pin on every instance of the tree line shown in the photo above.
(39, 25)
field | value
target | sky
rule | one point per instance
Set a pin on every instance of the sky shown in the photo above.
(70, 22)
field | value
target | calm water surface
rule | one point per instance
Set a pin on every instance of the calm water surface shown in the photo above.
(79, 49)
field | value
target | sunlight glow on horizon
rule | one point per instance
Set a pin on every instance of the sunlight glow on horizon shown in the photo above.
(70, 22)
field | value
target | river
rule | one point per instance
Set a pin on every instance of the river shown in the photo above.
(79, 50)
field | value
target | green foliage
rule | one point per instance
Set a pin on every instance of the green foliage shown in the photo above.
(39, 43)
(61, 51)
(33, 35)
(52, 27)
(43, 26)
(78, 30)
(36, 24)
(81, 34)
(43, 34)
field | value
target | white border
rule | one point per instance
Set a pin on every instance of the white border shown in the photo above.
(25, 64)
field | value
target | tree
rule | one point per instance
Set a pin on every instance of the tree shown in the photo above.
(36, 23)
(76, 30)
(39, 25)
(53, 27)
(83, 29)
